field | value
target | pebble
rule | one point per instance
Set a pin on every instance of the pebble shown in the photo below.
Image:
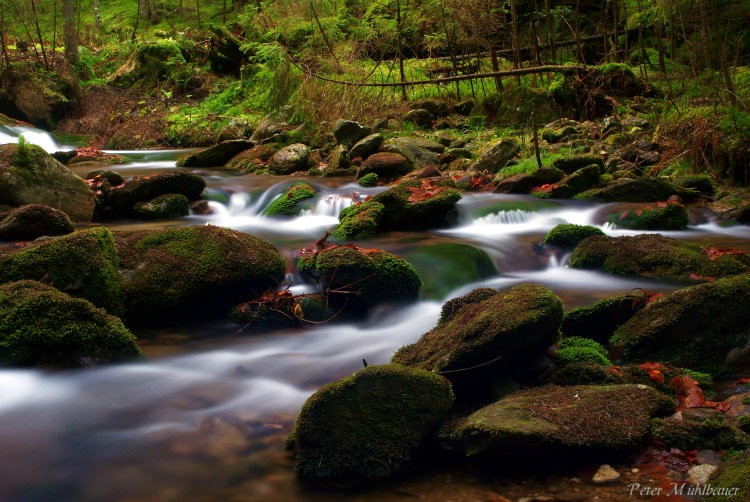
(605, 475)
(699, 474)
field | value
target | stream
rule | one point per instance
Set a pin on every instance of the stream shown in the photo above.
(203, 416)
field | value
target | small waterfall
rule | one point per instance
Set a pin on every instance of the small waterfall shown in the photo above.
(512, 217)
(329, 206)
(10, 134)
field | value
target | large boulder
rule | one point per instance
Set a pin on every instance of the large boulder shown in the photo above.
(29, 175)
(387, 166)
(599, 320)
(495, 333)
(349, 132)
(551, 423)
(369, 425)
(41, 326)
(637, 190)
(669, 215)
(254, 158)
(496, 155)
(34, 220)
(217, 155)
(580, 180)
(653, 255)
(366, 146)
(193, 272)
(572, 163)
(289, 159)
(419, 152)
(83, 264)
(356, 279)
(702, 327)
(119, 201)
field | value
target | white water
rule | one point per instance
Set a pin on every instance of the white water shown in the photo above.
(10, 134)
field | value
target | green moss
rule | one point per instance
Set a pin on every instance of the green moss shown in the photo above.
(698, 429)
(83, 264)
(600, 320)
(368, 180)
(636, 190)
(573, 163)
(165, 206)
(359, 221)
(41, 326)
(662, 216)
(581, 342)
(557, 135)
(368, 425)
(170, 272)
(287, 204)
(699, 182)
(578, 354)
(567, 235)
(586, 373)
(732, 478)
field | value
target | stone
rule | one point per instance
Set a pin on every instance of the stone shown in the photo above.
(605, 475)
(569, 235)
(171, 205)
(289, 203)
(637, 190)
(387, 166)
(599, 320)
(420, 117)
(32, 221)
(216, 156)
(119, 201)
(496, 155)
(572, 163)
(290, 159)
(253, 159)
(669, 215)
(524, 182)
(349, 132)
(700, 474)
(414, 150)
(29, 175)
(366, 146)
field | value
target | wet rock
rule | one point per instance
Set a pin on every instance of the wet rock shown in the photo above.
(172, 205)
(572, 163)
(497, 332)
(349, 132)
(694, 428)
(637, 190)
(366, 146)
(367, 426)
(586, 373)
(600, 320)
(289, 159)
(557, 423)
(356, 279)
(387, 166)
(34, 220)
(268, 129)
(288, 203)
(201, 207)
(496, 155)
(29, 175)
(653, 255)
(694, 327)
(41, 326)
(701, 183)
(669, 215)
(523, 183)
(253, 159)
(709, 457)
(193, 272)
(112, 177)
(743, 215)
(582, 179)
(415, 150)
(568, 235)
(420, 117)
(119, 201)
(338, 160)
(83, 264)
(605, 475)
(217, 155)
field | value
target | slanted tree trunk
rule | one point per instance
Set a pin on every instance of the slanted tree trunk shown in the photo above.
(70, 38)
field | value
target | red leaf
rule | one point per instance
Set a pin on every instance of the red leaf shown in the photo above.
(688, 392)
(715, 253)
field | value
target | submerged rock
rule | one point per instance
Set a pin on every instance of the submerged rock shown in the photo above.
(369, 425)
(29, 175)
(697, 327)
(41, 326)
(83, 264)
(561, 422)
(654, 255)
(34, 220)
(193, 272)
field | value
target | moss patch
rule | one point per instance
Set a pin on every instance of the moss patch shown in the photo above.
(287, 204)
(668, 215)
(568, 235)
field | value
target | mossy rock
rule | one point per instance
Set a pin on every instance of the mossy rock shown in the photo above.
(698, 429)
(366, 146)
(368, 180)
(653, 255)
(369, 425)
(193, 272)
(695, 327)
(577, 349)
(290, 159)
(349, 132)
(150, 64)
(171, 205)
(581, 180)
(496, 155)
(384, 165)
(217, 155)
(288, 203)
(29, 175)
(356, 279)
(281, 310)
(446, 266)
(572, 163)
(586, 373)
(731, 481)
(637, 190)
(120, 200)
(568, 235)
(41, 326)
(253, 159)
(558, 135)
(552, 422)
(83, 264)
(701, 183)
(32, 221)
(359, 221)
(525, 182)
(496, 332)
(600, 320)
(418, 153)
(670, 215)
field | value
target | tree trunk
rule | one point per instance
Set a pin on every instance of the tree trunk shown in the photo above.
(2, 38)
(402, 74)
(39, 34)
(70, 38)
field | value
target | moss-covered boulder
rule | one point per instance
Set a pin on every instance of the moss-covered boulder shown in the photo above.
(731, 482)
(587, 373)
(288, 203)
(698, 429)
(446, 266)
(190, 272)
(29, 175)
(669, 215)
(387, 166)
(582, 179)
(569, 235)
(637, 190)
(599, 320)
(171, 205)
(369, 425)
(524, 182)
(496, 333)
(657, 256)
(356, 279)
(83, 264)
(150, 64)
(41, 326)
(698, 327)
(553, 422)
(496, 155)
(411, 205)
(573, 163)
(34, 220)
(577, 349)
(119, 201)
(217, 155)
(290, 159)
(368, 180)
(418, 152)
(559, 134)
(701, 183)
(254, 158)
(38, 94)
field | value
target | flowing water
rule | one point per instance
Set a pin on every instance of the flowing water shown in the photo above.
(204, 414)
